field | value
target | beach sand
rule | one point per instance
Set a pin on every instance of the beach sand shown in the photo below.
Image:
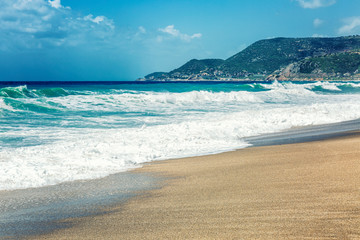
(298, 191)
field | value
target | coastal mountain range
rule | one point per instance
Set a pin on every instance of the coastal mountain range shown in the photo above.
(314, 58)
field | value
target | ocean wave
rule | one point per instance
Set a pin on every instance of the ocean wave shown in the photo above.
(14, 105)
(129, 101)
(4, 106)
(319, 86)
(91, 133)
(52, 100)
(193, 97)
(24, 92)
(93, 153)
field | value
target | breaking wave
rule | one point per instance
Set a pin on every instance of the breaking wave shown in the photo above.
(52, 135)
(24, 92)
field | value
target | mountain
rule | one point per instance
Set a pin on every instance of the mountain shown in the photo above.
(345, 65)
(192, 67)
(277, 58)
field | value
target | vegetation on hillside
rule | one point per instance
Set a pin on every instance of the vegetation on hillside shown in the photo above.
(266, 57)
(195, 66)
(342, 63)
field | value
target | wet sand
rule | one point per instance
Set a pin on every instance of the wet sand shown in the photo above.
(298, 191)
(35, 211)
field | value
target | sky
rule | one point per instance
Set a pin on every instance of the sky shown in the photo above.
(113, 40)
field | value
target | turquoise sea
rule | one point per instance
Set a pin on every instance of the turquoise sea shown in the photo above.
(56, 132)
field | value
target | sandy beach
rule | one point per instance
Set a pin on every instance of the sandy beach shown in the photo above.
(298, 191)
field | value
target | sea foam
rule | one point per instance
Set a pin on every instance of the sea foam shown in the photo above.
(96, 133)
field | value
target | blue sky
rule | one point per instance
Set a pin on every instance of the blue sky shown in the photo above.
(125, 39)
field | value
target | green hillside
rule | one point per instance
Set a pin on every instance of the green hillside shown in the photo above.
(266, 56)
(192, 67)
(335, 63)
(195, 66)
(271, 56)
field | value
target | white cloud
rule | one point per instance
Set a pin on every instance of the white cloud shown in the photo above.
(318, 22)
(170, 30)
(351, 26)
(55, 4)
(315, 3)
(196, 35)
(40, 23)
(93, 19)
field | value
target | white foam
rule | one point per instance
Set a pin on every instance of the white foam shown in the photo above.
(89, 153)
(153, 100)
(4, 106)
(333, 86)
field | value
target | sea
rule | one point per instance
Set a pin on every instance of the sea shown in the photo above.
(55, 132)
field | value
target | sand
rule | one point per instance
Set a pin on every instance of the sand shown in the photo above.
(298, 191)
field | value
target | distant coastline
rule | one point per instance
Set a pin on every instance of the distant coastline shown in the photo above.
(289, 59)
(265, 79)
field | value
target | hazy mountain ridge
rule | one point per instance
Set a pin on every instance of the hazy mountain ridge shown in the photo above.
(277, 58)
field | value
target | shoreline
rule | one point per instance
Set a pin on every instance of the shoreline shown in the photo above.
(33, 211)
(306, 134)
(99, 196)
(293, 191)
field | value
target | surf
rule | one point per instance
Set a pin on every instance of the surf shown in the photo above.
(57, 133)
